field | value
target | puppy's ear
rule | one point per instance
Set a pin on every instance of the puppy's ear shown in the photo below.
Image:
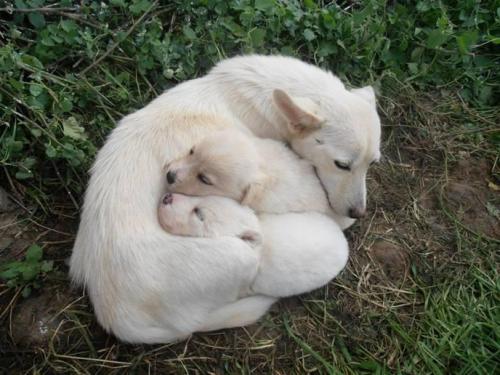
(367, 93)
(300, 112)
(252, 193)
(252, 237)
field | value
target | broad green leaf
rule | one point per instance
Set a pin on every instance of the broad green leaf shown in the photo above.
(50, 151)
(30, 271)
(34, 253)
(189, 33)
(120, 3)
(66, 105)
(72, 129)
(309, 35)
(68, 25)
(257, 37)
(139, 6)
(47, 265)
(37, 19)
(10, 270)
(36, 89)
(326, 49)
(310, 4)
(20, 4)
(435, 38)
(32, 61)
(23, 174)
(264, 5)
(466, 41)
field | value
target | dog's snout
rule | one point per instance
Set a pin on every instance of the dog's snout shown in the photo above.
(357, 212)
(168, 198)
(171, 177)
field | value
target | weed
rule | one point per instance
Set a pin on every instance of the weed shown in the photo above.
(26, 274)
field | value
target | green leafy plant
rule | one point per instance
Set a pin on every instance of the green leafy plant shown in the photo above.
(26, 273)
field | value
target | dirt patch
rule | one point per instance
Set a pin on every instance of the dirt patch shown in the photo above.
(392, 259)
(471, 199)
(37, 320)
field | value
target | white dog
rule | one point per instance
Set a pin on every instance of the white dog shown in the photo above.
(149, 286)
(263, 174)
(337, 130)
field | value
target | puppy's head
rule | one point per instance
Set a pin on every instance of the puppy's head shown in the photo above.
(339, 133)
(209, 216)
(225, 163)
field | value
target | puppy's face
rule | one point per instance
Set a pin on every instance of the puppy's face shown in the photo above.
(208, 217)
(224, 164)
(340, 139)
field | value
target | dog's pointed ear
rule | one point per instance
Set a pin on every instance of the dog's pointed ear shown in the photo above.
(252, 237)
(298, 111)
(367, 93)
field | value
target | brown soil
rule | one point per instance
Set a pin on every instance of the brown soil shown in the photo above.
(468, 195)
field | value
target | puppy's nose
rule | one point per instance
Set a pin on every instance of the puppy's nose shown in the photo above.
(168, 198)
(356, 212)
(171, 177)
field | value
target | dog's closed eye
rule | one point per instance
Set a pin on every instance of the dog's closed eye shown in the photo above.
(342, 165)
(204, 179)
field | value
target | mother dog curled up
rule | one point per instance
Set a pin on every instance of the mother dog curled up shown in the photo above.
(158, 267)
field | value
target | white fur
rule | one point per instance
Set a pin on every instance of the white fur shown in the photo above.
(149, 286)
(284, 268)
(263, 174)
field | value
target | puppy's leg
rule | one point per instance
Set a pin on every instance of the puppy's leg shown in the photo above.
(301, 252)
(238, 314)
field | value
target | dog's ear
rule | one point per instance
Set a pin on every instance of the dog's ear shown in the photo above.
(252, 237)
(252, 193)
(367, 93)
(300, 112)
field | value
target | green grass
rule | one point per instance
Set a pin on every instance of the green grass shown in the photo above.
(68, 73)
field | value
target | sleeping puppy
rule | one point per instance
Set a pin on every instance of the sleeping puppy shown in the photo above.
(281, 271)
(208, 217)
(263, 174)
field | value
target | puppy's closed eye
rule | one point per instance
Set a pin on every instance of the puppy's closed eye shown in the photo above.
(204, 179)
(199, 214)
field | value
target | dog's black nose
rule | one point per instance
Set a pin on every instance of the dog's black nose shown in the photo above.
(171, 177)
(356, 213)
(168, 198)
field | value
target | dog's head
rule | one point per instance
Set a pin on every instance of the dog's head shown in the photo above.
(224, 163)
(340, 137)
(208, 217)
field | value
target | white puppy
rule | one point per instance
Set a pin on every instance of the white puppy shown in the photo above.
(282, 270)
(149, 286)
(209, 217)
(263, 174)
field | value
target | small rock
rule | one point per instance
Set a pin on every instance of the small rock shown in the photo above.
(36, 320)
